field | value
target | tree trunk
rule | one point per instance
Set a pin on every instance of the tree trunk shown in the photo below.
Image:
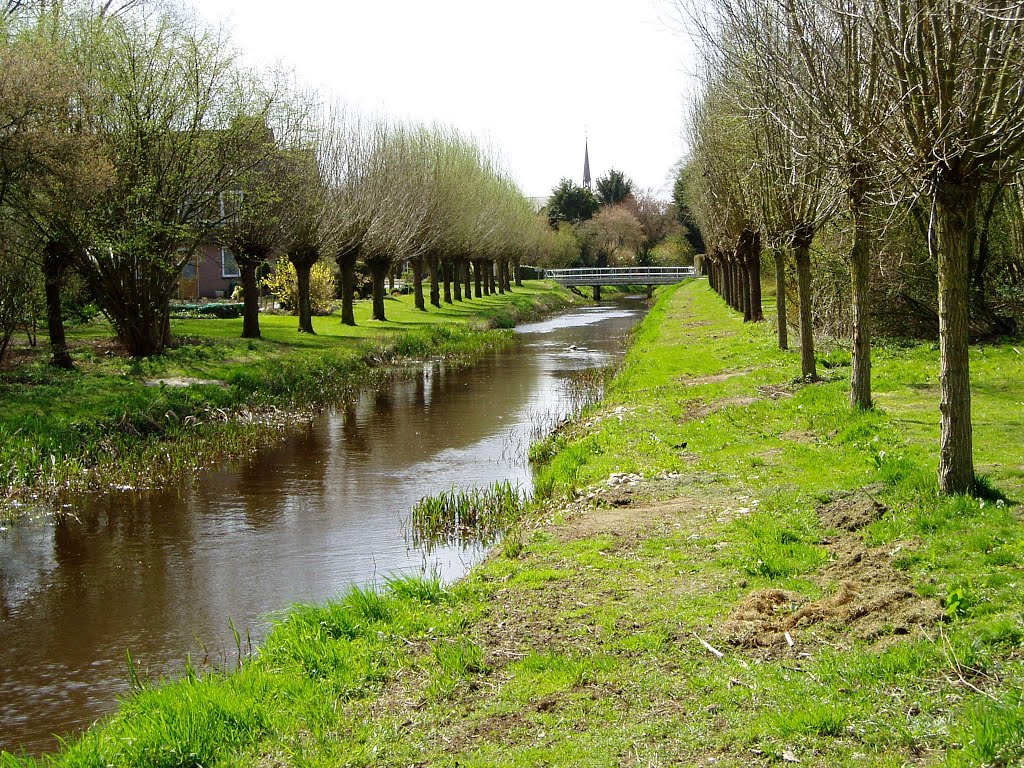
(488, 277)
(597, 293)
(165, 323)
(983, 317)
(250, 298)
(457, 278)
(802, 256)
(743, 289)
(434, 264)
(302, 270)
(752, 254)
(860, 269)
(55, 263)
(518, 266)
(347, 268)
(467, 278)
(748, 301)
(502, 275)
(955, 219)
(780, 298)
(476, 278)
(728, 284)
(417, 284)
(379, 273)
(142, 336)
(446, 269)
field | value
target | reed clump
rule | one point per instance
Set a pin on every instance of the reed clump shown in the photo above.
(476, 515)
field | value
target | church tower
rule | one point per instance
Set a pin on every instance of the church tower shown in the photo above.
(586, 164)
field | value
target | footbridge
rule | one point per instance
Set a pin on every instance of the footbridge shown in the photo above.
(598, 276)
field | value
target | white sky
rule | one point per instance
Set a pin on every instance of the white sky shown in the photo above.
(530, 76)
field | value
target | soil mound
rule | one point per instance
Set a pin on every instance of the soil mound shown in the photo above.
(852, 512)
(870, 600)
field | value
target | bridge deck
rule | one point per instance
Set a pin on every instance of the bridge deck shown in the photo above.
(620, 275)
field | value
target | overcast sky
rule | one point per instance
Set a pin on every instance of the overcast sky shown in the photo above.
(530, 76)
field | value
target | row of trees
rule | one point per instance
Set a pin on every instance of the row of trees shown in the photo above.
(848, 119)
(130, 134)
(379, 194)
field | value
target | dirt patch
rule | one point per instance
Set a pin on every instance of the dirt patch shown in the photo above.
(799, 436)
(697, 410)
(775, 391)
(18, 356)
(869, 599)
(180, 381)
(498, 727)
(105, 347)
(852, 512)
(714, 378)
(625, 520)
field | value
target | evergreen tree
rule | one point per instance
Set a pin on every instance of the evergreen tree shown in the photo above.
(570, 203)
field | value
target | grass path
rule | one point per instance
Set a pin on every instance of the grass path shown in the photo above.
(731, 569)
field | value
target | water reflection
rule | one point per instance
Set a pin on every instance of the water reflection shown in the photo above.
(161, 573)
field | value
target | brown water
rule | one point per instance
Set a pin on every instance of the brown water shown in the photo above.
(160, 574)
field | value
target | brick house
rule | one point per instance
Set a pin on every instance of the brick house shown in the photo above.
(210, 273)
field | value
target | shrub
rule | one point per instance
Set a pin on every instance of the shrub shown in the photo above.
(284, 284)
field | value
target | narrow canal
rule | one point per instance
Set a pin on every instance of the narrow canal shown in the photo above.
(161, 574)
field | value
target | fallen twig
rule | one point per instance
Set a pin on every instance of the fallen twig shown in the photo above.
(708, 645)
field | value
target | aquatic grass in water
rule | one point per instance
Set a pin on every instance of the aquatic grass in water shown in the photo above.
(480, 515)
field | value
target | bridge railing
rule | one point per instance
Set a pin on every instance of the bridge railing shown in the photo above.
(620, 275)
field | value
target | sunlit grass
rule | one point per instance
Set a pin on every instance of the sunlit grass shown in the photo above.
(581, 645)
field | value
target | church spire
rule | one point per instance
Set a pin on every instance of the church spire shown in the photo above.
(586, 163)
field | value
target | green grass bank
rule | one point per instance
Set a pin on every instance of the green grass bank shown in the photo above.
(730, 568)
(216, 396)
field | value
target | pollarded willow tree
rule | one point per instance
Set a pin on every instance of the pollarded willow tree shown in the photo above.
(253, 216)
(398, 211)
(528, 240)
(512, 216)
(953, 71)
(356, 188)
(307, 198)
(431, 179)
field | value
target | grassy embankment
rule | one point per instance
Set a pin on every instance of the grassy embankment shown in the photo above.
(778, 583)
(98, 425)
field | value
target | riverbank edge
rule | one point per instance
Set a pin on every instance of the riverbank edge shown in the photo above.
(177, 431)
(598, 634)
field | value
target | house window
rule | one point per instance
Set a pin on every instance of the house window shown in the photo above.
(230, 204)
(228, 265)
